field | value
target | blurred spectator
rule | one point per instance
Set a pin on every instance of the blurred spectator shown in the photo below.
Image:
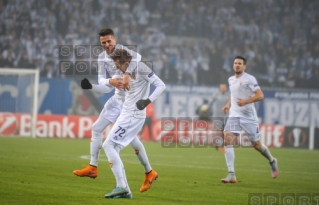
(279, 38)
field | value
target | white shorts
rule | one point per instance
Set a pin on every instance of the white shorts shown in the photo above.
(125, 129)
(112, 109)
(235, 125)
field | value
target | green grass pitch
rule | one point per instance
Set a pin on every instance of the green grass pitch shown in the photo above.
(39, 171)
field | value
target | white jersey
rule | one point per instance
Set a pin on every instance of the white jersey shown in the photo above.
(107, 68)
(244, 88)
(140, 89)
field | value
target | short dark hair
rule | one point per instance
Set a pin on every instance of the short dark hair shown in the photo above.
(122, 55)
(106, 32)
(242, 58)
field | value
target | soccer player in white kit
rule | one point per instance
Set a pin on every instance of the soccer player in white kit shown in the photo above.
(130, 120)
(244, 91)
(113, 106)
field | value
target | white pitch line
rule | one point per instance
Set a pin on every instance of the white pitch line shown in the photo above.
(87, 157)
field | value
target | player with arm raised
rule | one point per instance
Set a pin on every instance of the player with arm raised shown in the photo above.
(244, 91)
(130, 121)
(113, 106)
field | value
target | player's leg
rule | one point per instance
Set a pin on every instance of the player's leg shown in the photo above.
(150, 175)
(231, 132)
(252, 131)
(108, 115)
(230, 157)
(97, 137)
(95, 145)
(112, 150)
(123, 133)
(141, 154)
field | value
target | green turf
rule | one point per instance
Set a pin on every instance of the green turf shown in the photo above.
(39, 171)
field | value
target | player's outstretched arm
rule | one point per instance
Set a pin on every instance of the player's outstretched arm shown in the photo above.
(86, 85)
(102, 88)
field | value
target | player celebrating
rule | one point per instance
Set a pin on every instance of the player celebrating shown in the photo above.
(130, 121)
(113, 106)
(244, 91)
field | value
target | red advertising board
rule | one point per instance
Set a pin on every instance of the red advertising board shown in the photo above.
(185, 130)
(59, 126)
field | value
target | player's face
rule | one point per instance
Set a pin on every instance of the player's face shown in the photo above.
(108, 42)
(239, 66)
(222, 88)
(121, 66)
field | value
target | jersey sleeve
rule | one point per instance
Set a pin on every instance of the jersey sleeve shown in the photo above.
(102, 88)
(252, 84)
(148, 75)
(103, 76)
(159, 88)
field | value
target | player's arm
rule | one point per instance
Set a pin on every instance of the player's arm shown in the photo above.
(159, 88)
(103, 79)
(86, 85)
(226, 107)
(136, 58)
(258, 94)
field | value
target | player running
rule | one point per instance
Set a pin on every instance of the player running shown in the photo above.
(244, 91)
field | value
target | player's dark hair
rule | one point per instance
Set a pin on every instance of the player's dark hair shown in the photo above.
(122, 55)
(242, 58)
(106, 32)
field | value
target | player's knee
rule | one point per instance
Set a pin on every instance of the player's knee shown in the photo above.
(106, 146)
(229, 137)
(257, 146)
(96, 128)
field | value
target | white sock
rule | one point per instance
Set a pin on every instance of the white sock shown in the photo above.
(125, 179)
(140, 152)
(230, 158)
(96, 141)
(266, 153)
(112, 152)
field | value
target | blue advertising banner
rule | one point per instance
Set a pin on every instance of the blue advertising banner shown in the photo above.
(290, 108)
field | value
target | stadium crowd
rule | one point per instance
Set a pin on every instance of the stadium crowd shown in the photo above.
(188, 42)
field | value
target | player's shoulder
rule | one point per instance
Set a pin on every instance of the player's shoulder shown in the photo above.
(144, 69)
(102, 56)
(120, 46)
(249, 77)
(231, 78)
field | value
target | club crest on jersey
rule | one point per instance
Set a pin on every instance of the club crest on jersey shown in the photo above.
(151, 74)
(256, 85)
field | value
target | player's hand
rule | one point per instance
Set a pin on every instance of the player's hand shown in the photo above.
(126, 81)
(85, 84)
(225, 109)
(241, 102)
(117, 82)
(141, 104)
